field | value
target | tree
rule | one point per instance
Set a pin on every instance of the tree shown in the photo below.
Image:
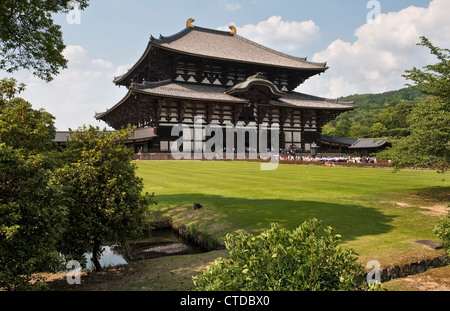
(103, 195)
(25, 128)
(9, 89)
(433, 80)
(428, 145)
(343, 128)
(29, 217)
(29, 209)
(359, 131)
(328, 130)
(283, 260)
(29, 39)
(378, 130)
(396, 117)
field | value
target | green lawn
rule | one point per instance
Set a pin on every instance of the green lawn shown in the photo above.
(378, 213)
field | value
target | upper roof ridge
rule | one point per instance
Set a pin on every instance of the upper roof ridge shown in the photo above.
(223, 46)
(169, 39)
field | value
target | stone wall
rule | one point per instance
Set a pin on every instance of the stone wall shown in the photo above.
(421, 266)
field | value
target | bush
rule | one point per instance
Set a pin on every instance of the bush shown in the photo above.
(281, 260)
(442, 231)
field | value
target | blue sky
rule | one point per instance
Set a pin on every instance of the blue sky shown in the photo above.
(119, 29)
(363, 58)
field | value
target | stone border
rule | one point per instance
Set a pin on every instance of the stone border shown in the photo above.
(413, 268)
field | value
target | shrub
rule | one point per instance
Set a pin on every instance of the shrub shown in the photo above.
(442, 231)
(283, 260)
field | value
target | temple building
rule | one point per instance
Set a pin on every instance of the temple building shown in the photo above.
(224, 79)
(352, 146)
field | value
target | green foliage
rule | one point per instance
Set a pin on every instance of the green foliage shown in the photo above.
(29, 210)
(442, 231)
(23, 127)
(427, 146)
(343, 128)
(29, 39)
(377, 130)
(370, 105)
(359, 131)
(9, 89)
(283, 260)
(389, 109)
(395, 117)
(434, 79)
(329, 130)
(29, 215)
(103, 195)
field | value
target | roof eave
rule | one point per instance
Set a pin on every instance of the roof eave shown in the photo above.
(147, 92)
(319, 69)
(100, 115)
(118, 80)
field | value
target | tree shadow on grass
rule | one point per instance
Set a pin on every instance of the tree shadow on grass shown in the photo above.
(350, 220)
(436, 193)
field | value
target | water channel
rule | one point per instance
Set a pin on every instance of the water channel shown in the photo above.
(163, 242)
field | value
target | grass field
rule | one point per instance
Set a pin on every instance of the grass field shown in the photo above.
(378, 213)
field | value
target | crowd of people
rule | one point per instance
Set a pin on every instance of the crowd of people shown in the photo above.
(295, 154)
(345, 159)
(292, 154)
(334, 159)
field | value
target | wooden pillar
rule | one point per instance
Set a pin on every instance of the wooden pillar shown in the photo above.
(302, 128)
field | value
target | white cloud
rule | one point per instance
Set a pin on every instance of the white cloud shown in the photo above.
(77, 93)
(120, 70)
(279, 34)
(378, 58)
(102, 63)
(232, 6)
(74, 53)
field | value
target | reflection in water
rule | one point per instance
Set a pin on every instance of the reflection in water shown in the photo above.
(163, 242)
(109, 258)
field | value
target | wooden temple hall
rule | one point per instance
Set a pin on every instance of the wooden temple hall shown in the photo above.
(224, 79)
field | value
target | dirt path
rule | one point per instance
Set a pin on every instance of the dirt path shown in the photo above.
(433, 280)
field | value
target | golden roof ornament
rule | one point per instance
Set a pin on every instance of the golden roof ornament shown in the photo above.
(233, 30)
(189, 23)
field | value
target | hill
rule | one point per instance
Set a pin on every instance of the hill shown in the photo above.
(376, 115)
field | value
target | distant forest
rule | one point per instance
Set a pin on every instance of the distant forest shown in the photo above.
(376, 115)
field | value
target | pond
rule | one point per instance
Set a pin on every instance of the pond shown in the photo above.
(110, 257)
(163, 242)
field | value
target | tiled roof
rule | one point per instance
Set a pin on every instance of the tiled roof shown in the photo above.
(144, 133)
(62, 137)
(364, 143)
(213, 93)
(301, 100)
(338, 140)
(140, 133)
(355, 143)
(186, 91)
(223, 45)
